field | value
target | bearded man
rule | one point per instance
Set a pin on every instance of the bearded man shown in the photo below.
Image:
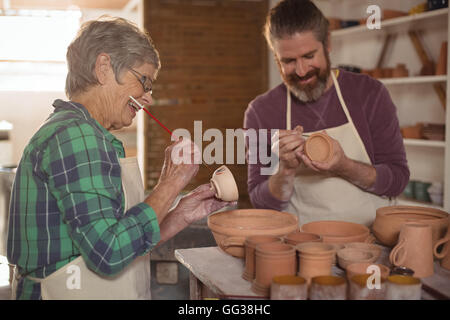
(368, 167)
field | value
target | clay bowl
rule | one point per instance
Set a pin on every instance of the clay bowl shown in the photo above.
(374, 248)
(348, 256)
(361, 268)
(319, 147)
(337, 231)
(231, 228)
(224, 184)
(389, 221)
(298, 237)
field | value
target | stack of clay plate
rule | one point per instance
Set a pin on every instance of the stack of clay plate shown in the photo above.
(231, 228)
(389, 221)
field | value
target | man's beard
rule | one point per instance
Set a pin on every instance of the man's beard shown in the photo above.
(309, 92)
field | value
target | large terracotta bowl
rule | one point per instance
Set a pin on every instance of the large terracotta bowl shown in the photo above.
(338, 231)
(230, 228)
(389, 221)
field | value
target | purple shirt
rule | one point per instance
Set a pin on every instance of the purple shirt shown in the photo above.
(372, 111)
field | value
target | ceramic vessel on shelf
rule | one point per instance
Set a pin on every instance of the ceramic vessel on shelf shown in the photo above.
(224, 184)
(338, 231)
(319, 147)
(231, 228)
(412, 132)
(250, 247)
(389, 221)
(328, 288)
(315, 259)
(288, 288)
(359, 288)
(414, 249)
(390, 14)
(361, 268)
(272, 259)
(400, 71)
(403, 288)
(444, 252)
(348, 256)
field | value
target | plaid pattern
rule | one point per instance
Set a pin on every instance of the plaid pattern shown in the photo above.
(67, 201)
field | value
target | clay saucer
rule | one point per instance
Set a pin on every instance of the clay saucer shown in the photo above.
(319, 147)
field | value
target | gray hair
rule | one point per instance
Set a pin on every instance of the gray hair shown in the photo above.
(119, 38)
(291, 16)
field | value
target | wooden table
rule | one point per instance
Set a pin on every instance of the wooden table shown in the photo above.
(215, 274)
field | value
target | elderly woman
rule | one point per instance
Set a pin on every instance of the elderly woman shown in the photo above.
(80, 226)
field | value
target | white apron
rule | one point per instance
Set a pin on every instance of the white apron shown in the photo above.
(322, 196)
(131, 283)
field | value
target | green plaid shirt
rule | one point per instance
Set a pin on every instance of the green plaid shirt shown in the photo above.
(67, 201)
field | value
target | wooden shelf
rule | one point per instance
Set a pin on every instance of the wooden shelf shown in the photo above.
(410, 22)
(424, 143)
(414, 80)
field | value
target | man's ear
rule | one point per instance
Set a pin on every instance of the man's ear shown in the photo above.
(102, 67)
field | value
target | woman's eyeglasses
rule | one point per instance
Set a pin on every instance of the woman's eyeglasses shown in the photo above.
(144, 80)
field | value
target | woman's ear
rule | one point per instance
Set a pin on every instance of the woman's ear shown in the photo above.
(102, 67)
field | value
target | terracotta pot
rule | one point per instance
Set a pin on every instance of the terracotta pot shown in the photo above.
(243, 223)
(391, 14)
(412, 132)
(444, 254)
(338, 231)
(414, 249)
(250, 246)
(441, 66)
(403, 288)
(374, 248)
(359, 289)
(348, 256)
(361, 268)
(319, 147)
(298, 237)
(224, 184)
(288, 288)
(328, 288)
(315, 259)
(389, 220)
(272, 259)
(400, 71)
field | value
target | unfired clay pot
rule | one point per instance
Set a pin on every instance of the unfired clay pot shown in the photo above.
(403, 288)
(319, 147)
(360, 268)
(250, 247)
(328, 288)
(389, 220)
(272, 259)
(338, 231)
(348, 256)
(372, 247)
(224, 184)
(414, 249)
(231, 228)
(315, 259)
(289, 288)
(444, 254)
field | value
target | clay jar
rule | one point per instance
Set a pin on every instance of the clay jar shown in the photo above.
(319, 147)
(250, 246)
(444, 254)
(224, 184)
(414, 249)
(288, 288)
(360, 290)
(315, 259)
(272, 259)
(328, 288)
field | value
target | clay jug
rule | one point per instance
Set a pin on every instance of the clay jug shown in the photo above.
(315, 259)
(272, 259)
(414, 249)
(444, 254)
(250, 246)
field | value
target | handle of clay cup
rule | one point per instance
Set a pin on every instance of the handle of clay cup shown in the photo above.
(233, 242)
(398, 253)
(444, 251)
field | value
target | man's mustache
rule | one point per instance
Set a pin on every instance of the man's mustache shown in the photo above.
(310, 74)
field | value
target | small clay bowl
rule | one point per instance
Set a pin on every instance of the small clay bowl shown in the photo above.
(374, 248)
(361, 268)
(224, 184)
(298, 237)
(319, 147)
(348, 256)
